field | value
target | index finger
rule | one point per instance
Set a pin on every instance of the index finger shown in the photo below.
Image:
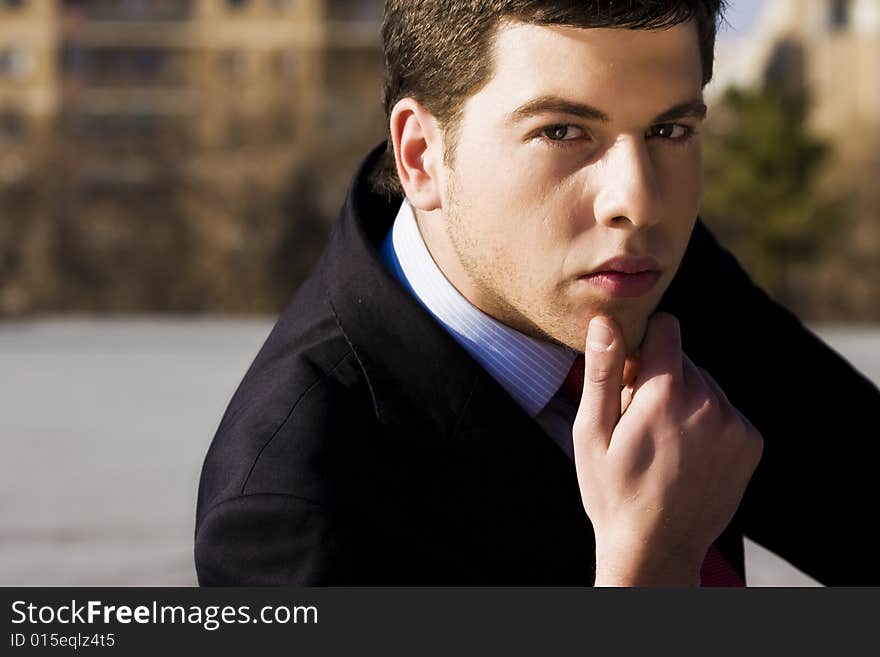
(661, 350)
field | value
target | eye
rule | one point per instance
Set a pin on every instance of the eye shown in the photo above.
(671, 131)
(562, 133)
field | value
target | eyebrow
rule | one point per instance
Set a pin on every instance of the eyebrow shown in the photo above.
(691, 109)
(556, 105)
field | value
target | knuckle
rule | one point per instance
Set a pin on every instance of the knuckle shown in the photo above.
(704, 407)
(750, 439)
(756, 440)
(704, 416)
(600, 373)
(582, 425)
(666, 385)
(661, 390)
(751, 432)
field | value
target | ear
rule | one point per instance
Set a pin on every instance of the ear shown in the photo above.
(418, 150)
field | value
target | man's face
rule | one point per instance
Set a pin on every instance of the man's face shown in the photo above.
(581, 148)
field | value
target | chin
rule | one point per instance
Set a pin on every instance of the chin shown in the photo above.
(632, 326)
(634, 333)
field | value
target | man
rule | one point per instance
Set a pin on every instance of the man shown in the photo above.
(521, 359)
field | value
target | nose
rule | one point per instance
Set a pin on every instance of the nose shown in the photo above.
(626, 185)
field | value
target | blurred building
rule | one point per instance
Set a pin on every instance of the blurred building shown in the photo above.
(215, 82)
(215, 89)
(143, 136)
(29, 90)
(830, 48)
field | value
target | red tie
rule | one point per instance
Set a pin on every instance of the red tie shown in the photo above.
(716, 570)
(574, 382)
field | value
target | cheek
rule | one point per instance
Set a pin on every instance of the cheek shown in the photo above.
(682, 182)
(500, 186)
(520, 214)
(517, 211)
(500, 173)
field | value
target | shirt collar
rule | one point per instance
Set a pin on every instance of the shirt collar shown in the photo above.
(530, 370)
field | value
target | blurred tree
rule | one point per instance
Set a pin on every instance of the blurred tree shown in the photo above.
(761, 194)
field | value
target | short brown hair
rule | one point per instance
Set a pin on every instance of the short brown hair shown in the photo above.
(438, 51)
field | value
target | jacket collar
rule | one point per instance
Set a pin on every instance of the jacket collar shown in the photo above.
(406, 356)
(531, 370)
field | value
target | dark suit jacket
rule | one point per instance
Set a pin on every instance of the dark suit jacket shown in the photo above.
(365, 446)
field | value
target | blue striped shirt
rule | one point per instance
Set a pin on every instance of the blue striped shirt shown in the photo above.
(530, 370)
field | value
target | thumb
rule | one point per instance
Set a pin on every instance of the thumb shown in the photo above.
(604, 358)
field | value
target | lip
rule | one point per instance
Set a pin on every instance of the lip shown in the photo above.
(625, 276)
(628, 265)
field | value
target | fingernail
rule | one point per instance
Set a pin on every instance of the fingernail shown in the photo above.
(599, 335)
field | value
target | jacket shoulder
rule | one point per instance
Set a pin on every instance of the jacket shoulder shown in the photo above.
(294, 422)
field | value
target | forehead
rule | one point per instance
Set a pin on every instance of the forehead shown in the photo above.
(618, 66)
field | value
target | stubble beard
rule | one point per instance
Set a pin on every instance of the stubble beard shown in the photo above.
(488, 268)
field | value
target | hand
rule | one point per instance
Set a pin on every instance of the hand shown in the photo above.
(663, 468)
